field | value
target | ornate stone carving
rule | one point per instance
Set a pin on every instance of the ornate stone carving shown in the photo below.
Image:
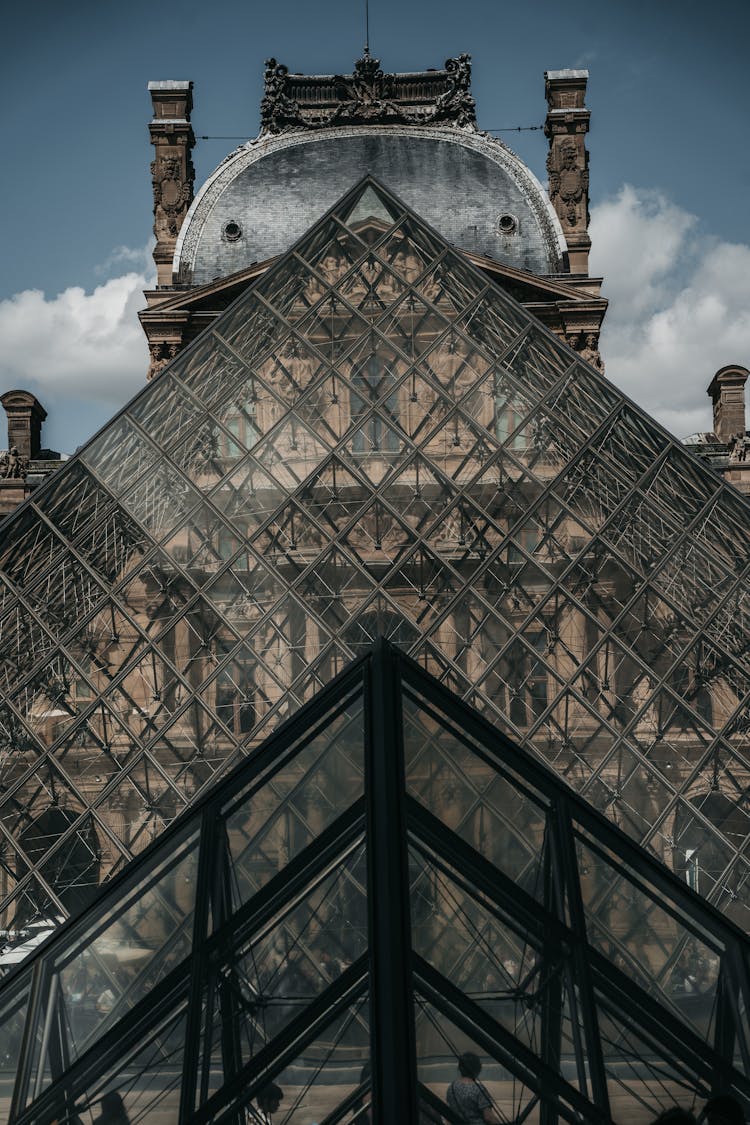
(740, 452)
(277, 110)
(568, 182)
(161, 352)
(172, 172)
(367, 96)
(172, 195)
(566, 127)
(587, 346)
(590, 351)
(12, 465)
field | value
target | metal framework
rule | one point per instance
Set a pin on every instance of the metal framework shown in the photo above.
(388, 935)
(374, 439)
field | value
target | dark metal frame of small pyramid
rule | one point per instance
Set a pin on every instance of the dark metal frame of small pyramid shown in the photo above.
(677, 537)
(56, 1076)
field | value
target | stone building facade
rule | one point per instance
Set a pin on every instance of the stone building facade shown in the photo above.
(418, 133)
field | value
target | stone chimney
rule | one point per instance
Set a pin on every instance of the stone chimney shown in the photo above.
(172, 172)
(727, 393)
(25, 416)
(568, 161)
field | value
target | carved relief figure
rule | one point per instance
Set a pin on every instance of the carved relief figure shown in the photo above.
(590, 351)
(277, 110)
(161, 353)
(740, 449)
(12, 465)
(568, 183)
(172, 196)
(587, 346)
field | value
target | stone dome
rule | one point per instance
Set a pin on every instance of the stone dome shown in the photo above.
(475, 192)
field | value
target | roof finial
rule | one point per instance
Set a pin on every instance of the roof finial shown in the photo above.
(367, 29)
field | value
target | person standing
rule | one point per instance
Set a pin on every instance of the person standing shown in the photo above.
(269, 1100)
(467, 1097)
(113, 1111)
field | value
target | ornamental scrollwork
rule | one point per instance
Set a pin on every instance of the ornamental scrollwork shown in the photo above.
(568, 182)
(172, 195)
(367, 96)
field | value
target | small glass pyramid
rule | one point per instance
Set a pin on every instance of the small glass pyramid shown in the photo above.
(386, 884)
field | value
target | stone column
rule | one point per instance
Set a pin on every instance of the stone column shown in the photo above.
(568, 161)
(172, 172)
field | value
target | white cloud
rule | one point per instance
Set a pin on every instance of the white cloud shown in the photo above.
(679, 305)
(139, 258)
(87, 345)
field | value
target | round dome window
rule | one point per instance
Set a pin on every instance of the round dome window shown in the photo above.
(232, 231)
(507, 224)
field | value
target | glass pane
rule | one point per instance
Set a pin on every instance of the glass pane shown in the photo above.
(471, 797)
(120, 455)
(454, 931)
(145, 1084)
(124, 955)
(640, 1082)
(322, 1077)
(273, 823)
(13, 1013)
(439, 1045)
(633, 927)
(272, 978)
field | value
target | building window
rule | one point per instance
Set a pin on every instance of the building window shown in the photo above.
(375, 436)
(527, 682)
(235, 695)
(507, 420)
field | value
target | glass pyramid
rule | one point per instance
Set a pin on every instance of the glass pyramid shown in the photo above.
(330, 927)
(373, 439)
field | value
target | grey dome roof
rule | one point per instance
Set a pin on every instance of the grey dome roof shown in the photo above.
(267, 193)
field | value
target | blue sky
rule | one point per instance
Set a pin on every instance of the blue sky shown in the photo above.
(670, 165)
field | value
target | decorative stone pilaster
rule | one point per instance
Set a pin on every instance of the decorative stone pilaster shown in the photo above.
(172, 172)
(568, 159)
